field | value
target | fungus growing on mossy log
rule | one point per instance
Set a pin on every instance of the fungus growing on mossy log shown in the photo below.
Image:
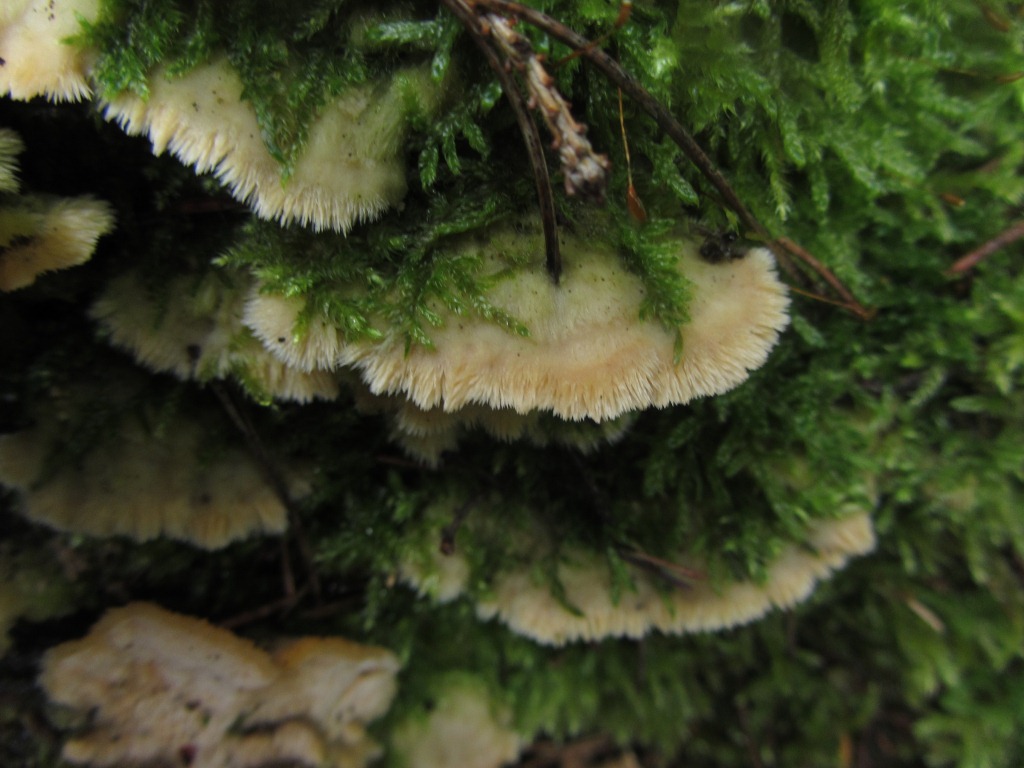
(350, 168)
(465, 727)
(580, 601)
(589, 355)
(173, 690)
(143, 484)
(590, 352)
(41, 233)
(191, 326)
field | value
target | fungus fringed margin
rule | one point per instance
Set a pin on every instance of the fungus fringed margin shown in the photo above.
(191, 326)
(532, 610)
(585, 605)
(426, 435)
(143, 485)
(589, 355)
(37, 59)
(350, 169)
(158, 684)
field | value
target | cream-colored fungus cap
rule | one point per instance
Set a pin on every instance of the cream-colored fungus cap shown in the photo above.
(466, 728)
(143, 485)
(588, 356)
(158, 684)
(36, 59)
(274, 321)
(192, 327)
(42, 234)
(350, 170)
(529, 606)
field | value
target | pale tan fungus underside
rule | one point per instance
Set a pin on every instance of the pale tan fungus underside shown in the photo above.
(588, 354)
(350, 170)
(193, 329)
(529, 607)
(466, 728)
(41, 234)
(36, 61)
(143, 486)
(155, 681)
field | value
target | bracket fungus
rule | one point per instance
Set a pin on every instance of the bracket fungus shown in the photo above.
(143, 484)
(589, 355)
(191, 326)
(465, 728)
(349, 170)
(37, 60)
(586, 606)
(166, 689)
(532, 610)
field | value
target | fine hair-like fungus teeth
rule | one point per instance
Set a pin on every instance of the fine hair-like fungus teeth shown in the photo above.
(589, 355)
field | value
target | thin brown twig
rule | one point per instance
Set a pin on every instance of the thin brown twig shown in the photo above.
(450, 531)
(248, 617)
(970, 260)
(826, 274)
(678, 575)
(752, 751)
(534, 147)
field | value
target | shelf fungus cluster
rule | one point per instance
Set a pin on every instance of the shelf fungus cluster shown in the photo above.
(508, 349)
(159, 688)
(191, 326)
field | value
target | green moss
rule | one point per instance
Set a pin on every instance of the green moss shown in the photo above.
(882, 137)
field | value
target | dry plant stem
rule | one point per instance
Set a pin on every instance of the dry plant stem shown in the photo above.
(534, 147)
(574, 754)
(585, 172)
(752, 751)
(274, 477)
(665, 120)
(970, 260)
(677, 575)
(632, 88)
(805, 256)
(287, 575)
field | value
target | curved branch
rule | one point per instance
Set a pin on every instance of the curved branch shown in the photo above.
(534, 147)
